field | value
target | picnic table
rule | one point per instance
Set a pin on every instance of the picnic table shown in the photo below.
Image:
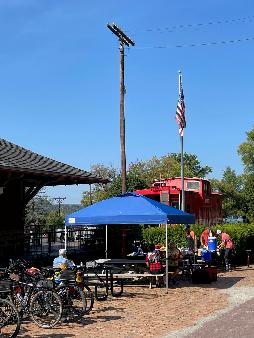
(138, 276)
(121, 271)
(130, 270)
(102, 278)
(122, 278)
(136, 265)
(120, 261)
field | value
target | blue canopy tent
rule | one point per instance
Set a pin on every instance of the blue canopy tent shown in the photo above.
(129, 208)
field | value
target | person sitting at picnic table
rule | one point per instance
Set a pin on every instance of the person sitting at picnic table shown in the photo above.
(62, 261)
(154, 263)
(137, 248)
(174, 258)
(153, 259)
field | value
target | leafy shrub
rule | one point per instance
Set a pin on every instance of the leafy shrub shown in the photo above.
(241, 234)
(243, 239)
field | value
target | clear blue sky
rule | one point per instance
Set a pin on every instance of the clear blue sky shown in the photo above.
(59, 80)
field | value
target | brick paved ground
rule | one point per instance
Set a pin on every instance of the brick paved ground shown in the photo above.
(144, 312)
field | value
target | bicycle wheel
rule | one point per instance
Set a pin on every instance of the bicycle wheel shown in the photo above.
(17, 299)
(46, 308)
(74, 300)
(9, 319)
(89, 298)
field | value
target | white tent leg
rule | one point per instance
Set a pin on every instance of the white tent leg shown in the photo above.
(166, 258)
(65, 237)
(106, 244)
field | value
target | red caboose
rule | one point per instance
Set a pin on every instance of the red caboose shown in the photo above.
(199, 198)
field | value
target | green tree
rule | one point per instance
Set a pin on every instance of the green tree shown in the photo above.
(141, 174)
(248, 196)
(246, 152)
(100, 191)
(169, 166)
(231, 187)
(37, 209)
(41, 212)
(114, 188)
(55, 220)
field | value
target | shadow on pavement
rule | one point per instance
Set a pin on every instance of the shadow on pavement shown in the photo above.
(109, 308)
(225, 282)
(52, 335)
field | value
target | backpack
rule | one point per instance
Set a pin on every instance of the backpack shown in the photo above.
(154, 262)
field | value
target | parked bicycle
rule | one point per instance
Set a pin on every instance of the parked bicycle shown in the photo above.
(80, 281)
(9, 318)
(72, 296)
(33, 295)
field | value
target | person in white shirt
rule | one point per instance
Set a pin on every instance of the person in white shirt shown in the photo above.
(62, 260)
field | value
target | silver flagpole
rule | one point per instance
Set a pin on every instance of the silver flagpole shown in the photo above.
(182, 159)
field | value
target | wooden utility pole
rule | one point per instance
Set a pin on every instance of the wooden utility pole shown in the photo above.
(122, 119)
(90, 194)
(123, 40)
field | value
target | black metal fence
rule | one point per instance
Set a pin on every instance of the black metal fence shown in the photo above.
(82, 244)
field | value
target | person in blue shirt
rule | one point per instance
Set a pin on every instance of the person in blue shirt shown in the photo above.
(62, 261)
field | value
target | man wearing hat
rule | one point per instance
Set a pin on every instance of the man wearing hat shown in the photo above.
(228, 245)
(62, 261)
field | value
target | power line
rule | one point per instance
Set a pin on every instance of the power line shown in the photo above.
(203, 44)
(195, 25)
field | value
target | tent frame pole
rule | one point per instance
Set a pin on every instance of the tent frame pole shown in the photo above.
(166, 258)
(65, 237)
(106, 244)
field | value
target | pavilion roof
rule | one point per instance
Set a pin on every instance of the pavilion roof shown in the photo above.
(18, 162)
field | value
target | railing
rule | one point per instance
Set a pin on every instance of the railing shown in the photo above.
(46, 244)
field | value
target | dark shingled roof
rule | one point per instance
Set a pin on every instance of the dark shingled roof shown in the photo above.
(16, 161)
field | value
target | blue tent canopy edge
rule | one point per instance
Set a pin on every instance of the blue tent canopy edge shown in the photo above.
(129, 208)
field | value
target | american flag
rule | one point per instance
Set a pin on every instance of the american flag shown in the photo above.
(180, 111)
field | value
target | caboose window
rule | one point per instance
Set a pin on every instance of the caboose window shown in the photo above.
(194, 185)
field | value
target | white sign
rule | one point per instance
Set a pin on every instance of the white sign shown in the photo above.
(72, 220)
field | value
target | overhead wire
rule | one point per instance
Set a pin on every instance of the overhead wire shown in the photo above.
(194, 25)
(223, 42)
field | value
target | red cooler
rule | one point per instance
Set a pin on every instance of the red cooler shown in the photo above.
(212, 271)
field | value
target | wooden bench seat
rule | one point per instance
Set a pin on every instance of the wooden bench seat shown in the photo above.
(118, 276)
(152, 277)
